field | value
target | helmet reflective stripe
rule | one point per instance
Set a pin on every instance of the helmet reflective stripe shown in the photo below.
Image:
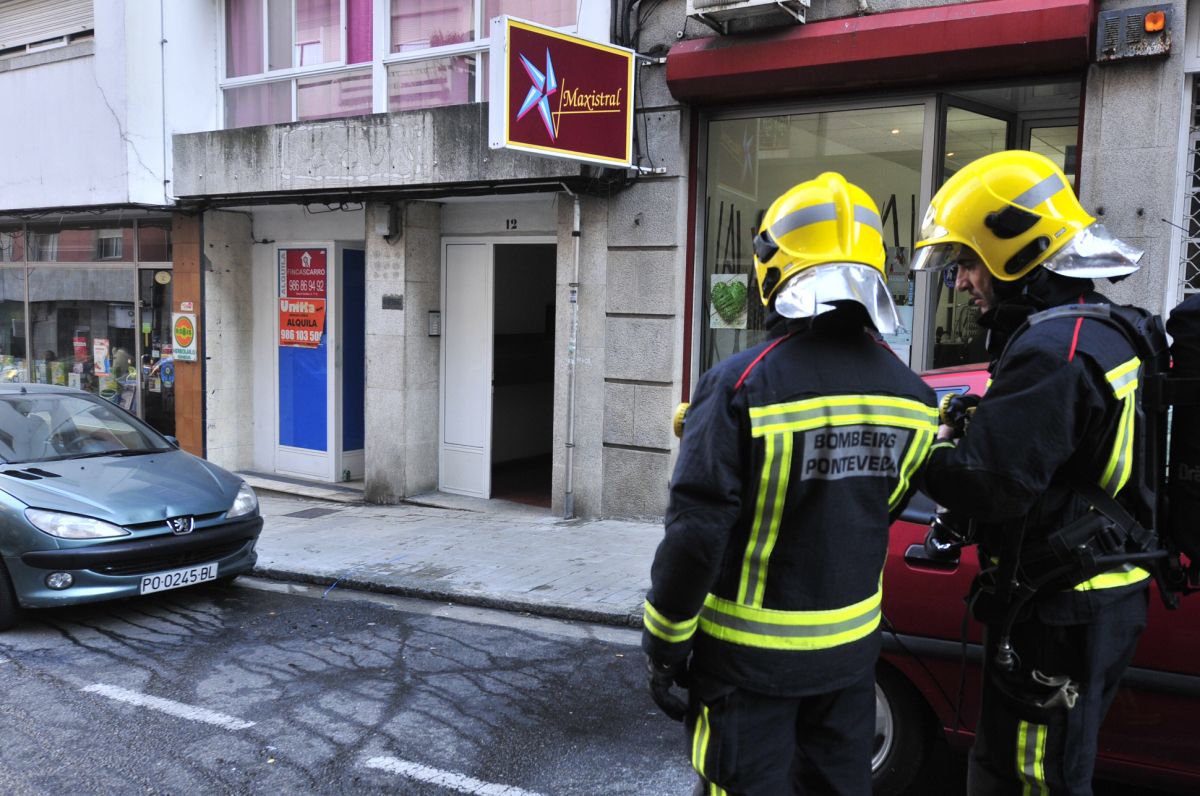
(1040, 192)
(822, 221)
(815, 214)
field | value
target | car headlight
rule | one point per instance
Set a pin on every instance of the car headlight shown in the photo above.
(245, 503)
(72, 526)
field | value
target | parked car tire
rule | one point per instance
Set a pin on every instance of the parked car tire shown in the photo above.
(10, 610)
(901, 739)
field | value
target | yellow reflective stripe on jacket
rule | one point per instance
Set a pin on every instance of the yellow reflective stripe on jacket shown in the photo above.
(1124, 575)
(1120, 461)
(772, 490)
(841, 410)
(768, 628)
(917, 452)
(660, 626)
(1124, 382)
(1031, 758)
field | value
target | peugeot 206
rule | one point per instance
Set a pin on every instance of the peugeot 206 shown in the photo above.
(95, 505)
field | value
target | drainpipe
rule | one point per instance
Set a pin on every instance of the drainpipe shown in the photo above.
(572, 345)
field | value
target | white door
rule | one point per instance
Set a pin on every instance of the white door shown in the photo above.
(466, 439)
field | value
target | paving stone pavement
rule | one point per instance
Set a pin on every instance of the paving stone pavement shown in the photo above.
(473, 552)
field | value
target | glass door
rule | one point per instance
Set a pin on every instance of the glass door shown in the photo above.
(157, 366)
(967, 134)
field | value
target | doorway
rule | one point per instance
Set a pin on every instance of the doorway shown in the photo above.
(498, 369)
(523, 372)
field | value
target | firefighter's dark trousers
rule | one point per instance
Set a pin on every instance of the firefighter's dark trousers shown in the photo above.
(1021, 748)
(747, 744)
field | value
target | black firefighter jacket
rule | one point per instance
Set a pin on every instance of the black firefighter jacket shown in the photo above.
(1060, 410)
(795, 455)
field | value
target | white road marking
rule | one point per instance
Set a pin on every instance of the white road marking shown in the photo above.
(168, 706)
(446, 779)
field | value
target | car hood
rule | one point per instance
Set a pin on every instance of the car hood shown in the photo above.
(125, 490)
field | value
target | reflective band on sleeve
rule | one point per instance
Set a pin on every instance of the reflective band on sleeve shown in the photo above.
(789, 630)
(918, 451)
(1124, 378)
(1040, 192)
(1031, 754)
(1124, 575)
(661, 627)
(772, 490)
(839, 411)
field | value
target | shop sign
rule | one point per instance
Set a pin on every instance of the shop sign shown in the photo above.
(560, 95)
(301, 322)
(183, 336)
(302, 273)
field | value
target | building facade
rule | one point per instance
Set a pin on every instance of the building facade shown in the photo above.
(495, 323)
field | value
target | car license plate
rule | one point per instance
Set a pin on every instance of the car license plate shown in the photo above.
(178, 578)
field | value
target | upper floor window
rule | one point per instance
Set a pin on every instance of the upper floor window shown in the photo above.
(289, 60)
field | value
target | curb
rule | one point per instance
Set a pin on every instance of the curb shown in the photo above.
(577, 613)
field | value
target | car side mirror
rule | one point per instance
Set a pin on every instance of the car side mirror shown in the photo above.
(172, 440)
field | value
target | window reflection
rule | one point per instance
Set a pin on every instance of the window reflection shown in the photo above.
(752, 161)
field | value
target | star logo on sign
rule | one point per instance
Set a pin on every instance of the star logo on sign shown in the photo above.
(544, 84)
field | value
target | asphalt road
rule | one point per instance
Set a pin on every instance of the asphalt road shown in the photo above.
(274, 690)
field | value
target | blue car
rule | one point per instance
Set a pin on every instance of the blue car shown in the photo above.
(95, 505)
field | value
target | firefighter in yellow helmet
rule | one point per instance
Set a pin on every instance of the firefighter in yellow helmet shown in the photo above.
(1051, 446)
(795, 456)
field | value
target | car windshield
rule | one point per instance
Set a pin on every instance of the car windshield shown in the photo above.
(42, 427)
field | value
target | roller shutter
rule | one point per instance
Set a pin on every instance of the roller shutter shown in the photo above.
(25, 22)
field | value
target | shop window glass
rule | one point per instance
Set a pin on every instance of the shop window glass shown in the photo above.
(426, 84)
(555, 13)
(1059, 143)
(420, 24)
(12, 325)
(333, 95)
(154, 241)
(83, 326)
(12, 245)
(752, 161)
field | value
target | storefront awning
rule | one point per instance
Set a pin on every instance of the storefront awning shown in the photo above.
(953, 43)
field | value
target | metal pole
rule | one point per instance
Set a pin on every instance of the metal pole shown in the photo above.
(572, 345)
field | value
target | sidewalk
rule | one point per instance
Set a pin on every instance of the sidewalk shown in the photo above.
(474, 552)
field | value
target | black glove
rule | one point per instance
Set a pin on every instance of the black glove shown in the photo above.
(956, 411)
(662, 677)
(947, 536)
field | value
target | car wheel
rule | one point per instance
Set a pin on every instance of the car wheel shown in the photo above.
(900, 734)
(10, 610)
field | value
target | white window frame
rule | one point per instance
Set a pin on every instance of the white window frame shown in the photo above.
(589, 17)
